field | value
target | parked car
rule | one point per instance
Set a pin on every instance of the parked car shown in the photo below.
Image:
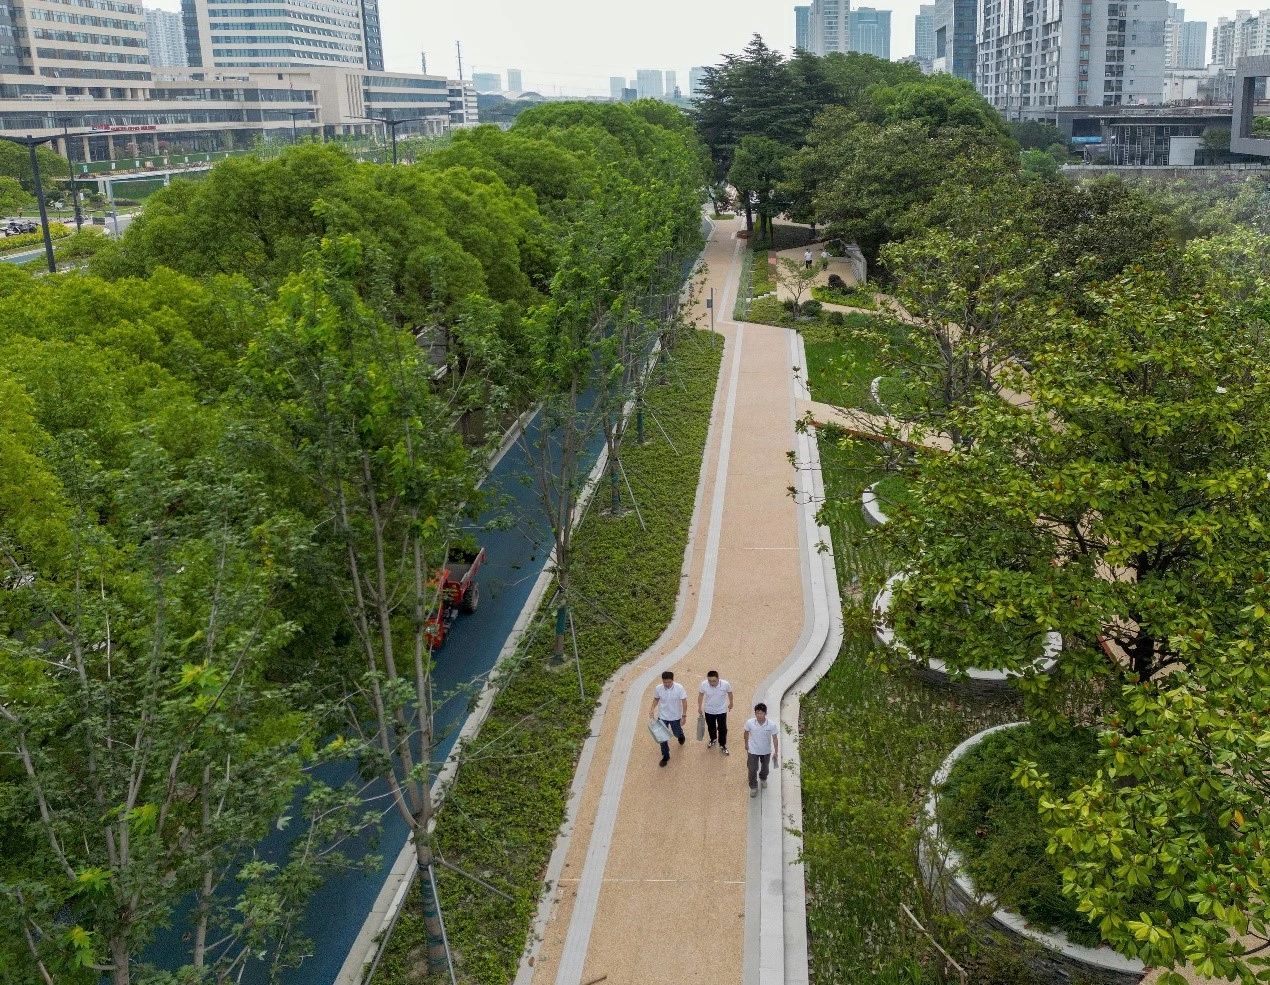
(14, 227)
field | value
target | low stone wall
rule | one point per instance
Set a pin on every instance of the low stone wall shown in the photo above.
(1053, 959)
(874, 515)
(975, 680)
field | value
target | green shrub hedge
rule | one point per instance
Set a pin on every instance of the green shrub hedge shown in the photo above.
(26, 240)
(501, 817)
(987, 816)
(853, 297)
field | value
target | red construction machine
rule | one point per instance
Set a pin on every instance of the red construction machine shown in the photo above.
(457, 591)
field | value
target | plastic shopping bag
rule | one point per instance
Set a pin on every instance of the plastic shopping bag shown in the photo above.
(701, 727)
(659, 731)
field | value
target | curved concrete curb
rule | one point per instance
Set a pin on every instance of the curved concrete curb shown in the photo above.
(875, 391)
(936, 669)
(776, 891)
(874, 515)
(1100, 964)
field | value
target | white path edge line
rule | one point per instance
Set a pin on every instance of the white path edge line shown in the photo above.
(367, 949)
(586, 902)
(555, 865)
(776, 904)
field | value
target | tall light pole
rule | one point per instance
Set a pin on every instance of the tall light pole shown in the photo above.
(66, 142)
(30, 143)
(392, 125)
(293, 113)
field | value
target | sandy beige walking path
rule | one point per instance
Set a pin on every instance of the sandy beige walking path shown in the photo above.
(653, 885)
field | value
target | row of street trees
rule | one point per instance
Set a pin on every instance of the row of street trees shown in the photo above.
(1105, 382)
(233, 457)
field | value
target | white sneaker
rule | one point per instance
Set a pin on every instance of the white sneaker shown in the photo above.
(712, 744)
(753, 791)
(726, 752)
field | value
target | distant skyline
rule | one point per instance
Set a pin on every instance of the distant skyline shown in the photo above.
(574, 46)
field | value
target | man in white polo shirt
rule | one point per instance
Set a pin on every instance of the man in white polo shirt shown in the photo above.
(714, 699)
(670, 702)
(762, 743)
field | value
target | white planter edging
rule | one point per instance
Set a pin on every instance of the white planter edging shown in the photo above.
(875, 391)
(885, 635)
(1104, 962)
(874, 515)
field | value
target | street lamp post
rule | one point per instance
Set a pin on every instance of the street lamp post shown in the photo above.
(293, 113)
(30, 143)
(392, 125)
(66, 142)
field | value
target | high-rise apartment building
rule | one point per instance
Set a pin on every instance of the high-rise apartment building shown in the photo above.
(871, 32)
(671, 85)
(165, 38)
(1244, 36)
(1041, 54)
(616, 84)
(802, 28)
(956, 47)
(829, 26)
(924, 33)
(1185, 42)
(515, 80)
(284, 34)
(696, 80)
(650, 83)
(487, 81)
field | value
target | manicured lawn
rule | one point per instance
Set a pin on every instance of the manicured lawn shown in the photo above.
(853, 297)
(871, 741)
(764, 282)
(501, 817)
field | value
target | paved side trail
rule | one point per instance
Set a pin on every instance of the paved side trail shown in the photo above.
(651, 884)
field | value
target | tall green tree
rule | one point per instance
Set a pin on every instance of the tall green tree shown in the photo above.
(758, 168)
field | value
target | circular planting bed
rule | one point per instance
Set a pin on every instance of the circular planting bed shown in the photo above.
(981, 828)
(935, 670)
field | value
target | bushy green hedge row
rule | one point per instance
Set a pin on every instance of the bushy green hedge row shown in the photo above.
(501, 816)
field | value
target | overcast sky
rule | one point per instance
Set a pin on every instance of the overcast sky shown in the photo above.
(573, 46)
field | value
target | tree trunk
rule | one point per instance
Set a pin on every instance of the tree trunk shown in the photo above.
(121, 972)
(437, 963)
(562, 617)
(615, 490)
(749, 216)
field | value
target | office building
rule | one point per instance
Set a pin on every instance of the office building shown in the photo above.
(515, 80)
(616, 84)
(802, 28)
(629, 94)
(924, 33)
(464, 111)
(102, 82)
(956, 47)
(285, 34)
(696, 80)
(165, 38)
(1070, 53)
(1185, 42)
(1247, 35)
(650, 83)
(487, 81)
(871, 32)
(672, 86)
(829, 26)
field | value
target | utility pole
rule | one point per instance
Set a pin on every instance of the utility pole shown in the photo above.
(458, 47)
(423, 57)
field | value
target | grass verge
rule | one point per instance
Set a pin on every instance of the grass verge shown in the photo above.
(855, 297)
(501, 817)
(871, 741)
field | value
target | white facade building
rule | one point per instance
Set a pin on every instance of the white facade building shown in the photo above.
(829, 26)
(1247, 35)
(1185, 42)
(650, 83)
(165, 38)
(284, 34)
(1036, 55)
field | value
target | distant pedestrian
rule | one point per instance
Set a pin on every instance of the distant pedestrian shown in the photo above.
(807, 258)
(670, 701)
(714, 699)
(824, 257)
(762, 743)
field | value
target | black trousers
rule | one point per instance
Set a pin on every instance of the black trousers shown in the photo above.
(717, 726)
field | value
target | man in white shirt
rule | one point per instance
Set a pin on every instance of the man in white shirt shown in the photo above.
(670, 701)
(762, 743)
(714, 699)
